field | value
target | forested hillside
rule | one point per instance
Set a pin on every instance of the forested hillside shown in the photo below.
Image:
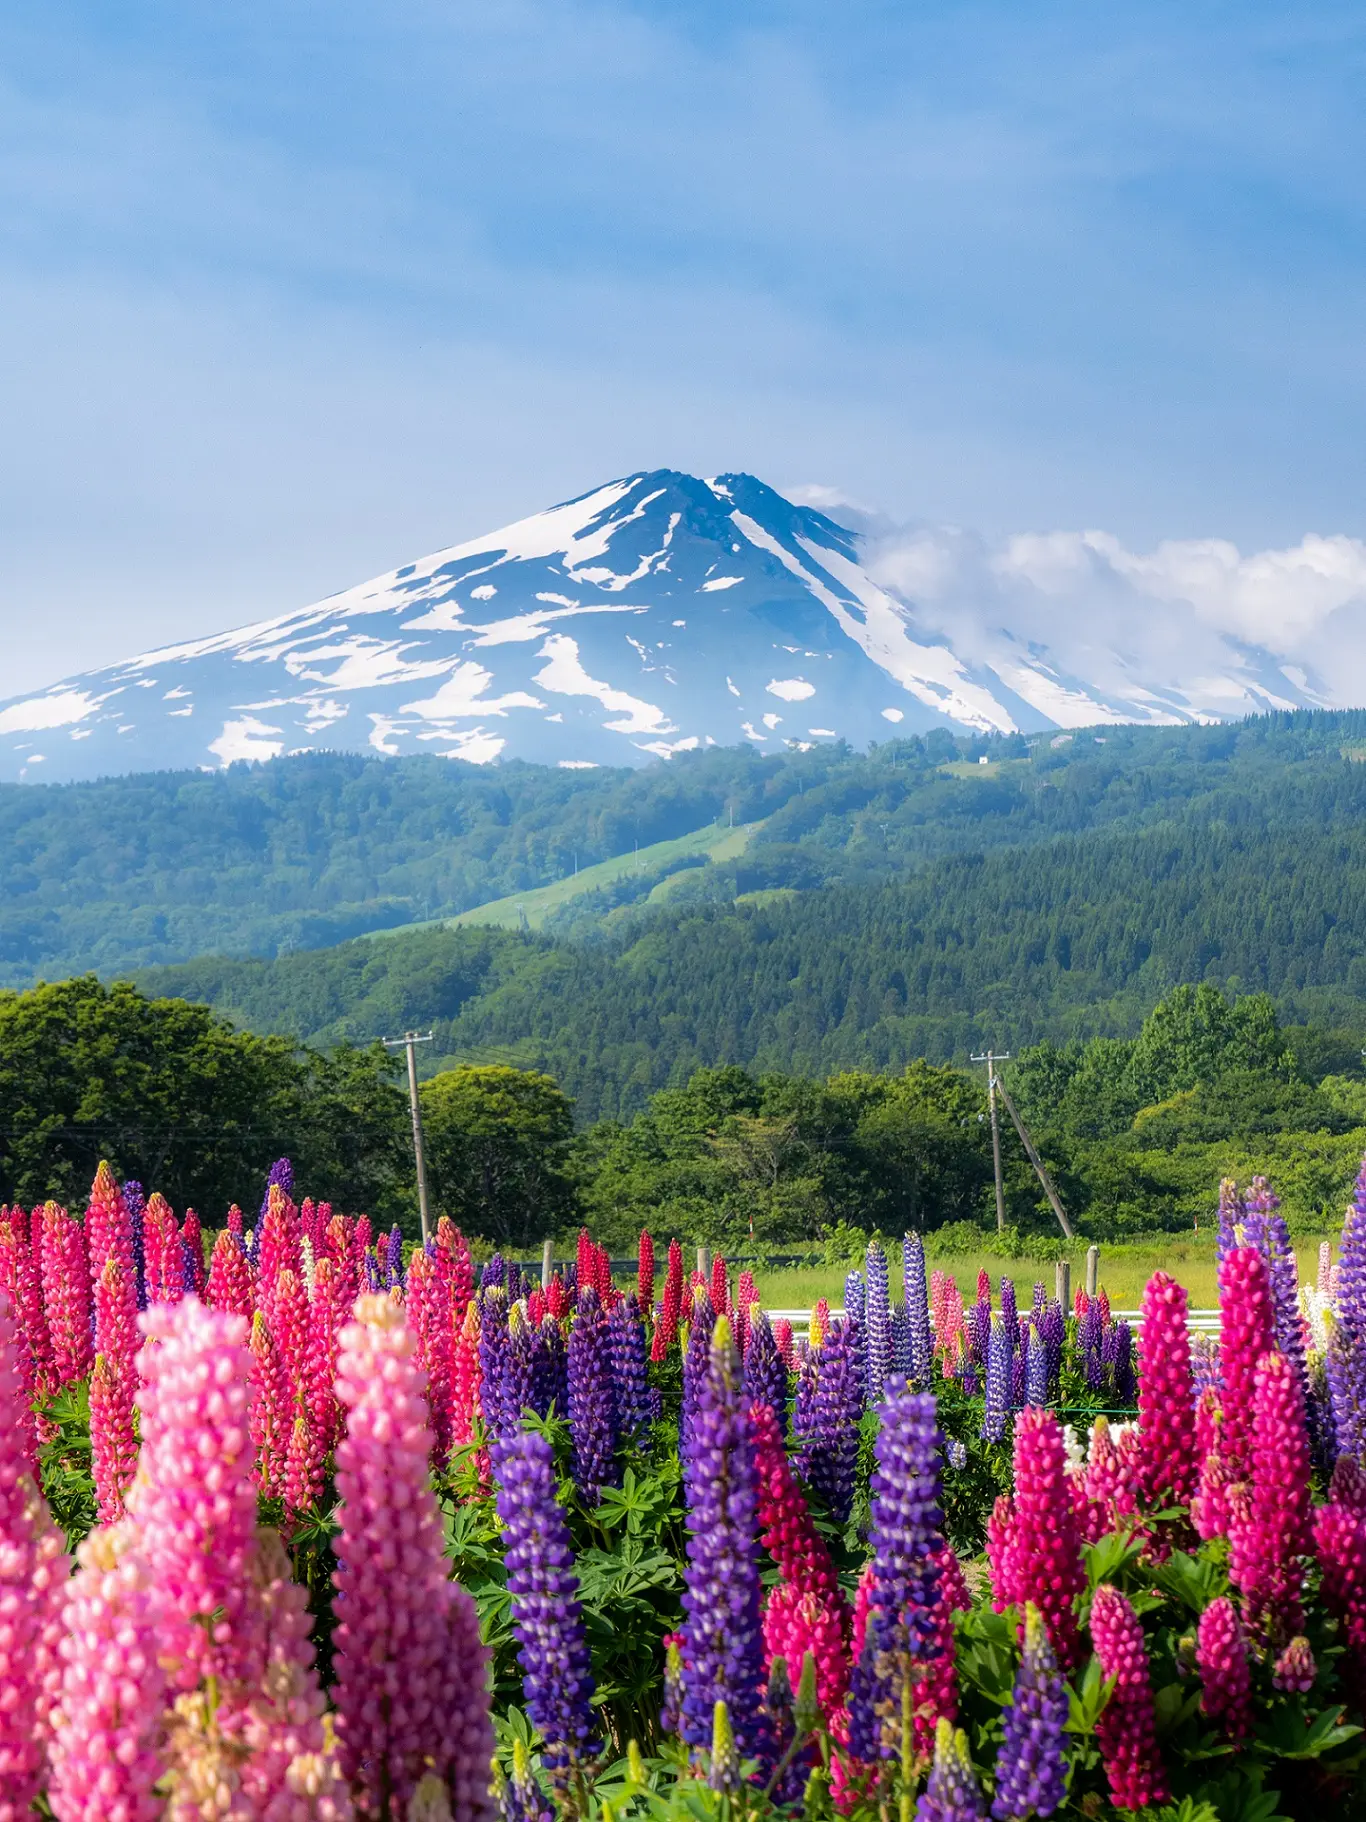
(1073, 938)
(312, 850)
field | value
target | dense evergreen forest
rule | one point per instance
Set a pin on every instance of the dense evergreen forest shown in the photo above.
(311, 850)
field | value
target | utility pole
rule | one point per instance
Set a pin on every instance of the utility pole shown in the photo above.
(1040, 1169)
(990, 1058)
(409, 1041)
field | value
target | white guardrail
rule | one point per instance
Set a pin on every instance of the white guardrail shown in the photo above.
(1204, 1321)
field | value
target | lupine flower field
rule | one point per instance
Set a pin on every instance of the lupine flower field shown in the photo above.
(304, 1524)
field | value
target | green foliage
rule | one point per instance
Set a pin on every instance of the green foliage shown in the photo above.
(497, 1141)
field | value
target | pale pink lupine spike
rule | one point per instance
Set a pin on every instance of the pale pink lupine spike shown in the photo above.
(66, 1295)
(397, 1606)
(107, 1747)
(113, 1436)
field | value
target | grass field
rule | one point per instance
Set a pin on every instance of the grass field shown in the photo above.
(1123, 1273)
(715, 841)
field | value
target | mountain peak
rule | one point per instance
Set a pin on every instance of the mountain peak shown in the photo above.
(651, 615)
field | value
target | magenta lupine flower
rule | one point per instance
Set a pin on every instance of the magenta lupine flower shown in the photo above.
(1031, 1767)
(1295, 1668)
(271, 1412)
(1222, 1662)
(66, 1295)
(1037, 1540)
(410, 1688)
(557, 1675)
(1269, 1531)
(951, 1792)
(1127, 1729)
(1340, 1544)
(723, 1650)
(1166, 1398)
(228, 1286)
(195, 1506)
(26, 1589)
(592, 1408)
(1247, 1329)
(108, 1229)
(109, 1747)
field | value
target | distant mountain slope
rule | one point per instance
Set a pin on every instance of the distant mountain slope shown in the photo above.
(1073, 937)
(655, 615)
(301, 853)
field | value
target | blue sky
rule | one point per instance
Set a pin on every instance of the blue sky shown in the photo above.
(292, 293)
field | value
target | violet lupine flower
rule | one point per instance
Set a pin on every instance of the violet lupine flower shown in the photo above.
(1232, 1214)
(951, 1792)
(901, 1339)
(1088, 1345)
(907, 1537)
(549, 1370)
(877, 1320)
(410, 1671)
(696, 1357)
(495, 1364)
(1010, 1317)
(1031, 1772)
(1019, 1369)
(917, 1309)
(723, 1645)
(281, 1177)
(494, 1274)
(557, 1675)
(592, 1416)
(1053, 1330)
(630, 1375)
(393, 1263)
(827, 1421)
(1285, 1294)
(134, 1201)
(1344, 1369)
(765, 1368)
(1036, 1370)
(521, 1798)
(996, 1414)
(1125, 1376)
(855, 1297)
(519, 1388)
(374, 1281)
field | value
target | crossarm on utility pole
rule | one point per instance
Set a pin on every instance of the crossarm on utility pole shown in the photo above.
(1037, 1162)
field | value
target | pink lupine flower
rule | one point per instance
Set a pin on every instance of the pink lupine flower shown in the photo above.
(820, 1321)
(1247, 1330)
(21, 1278)
(430, 1317)
(468, 1378)
(289, 1322)
(113, 1436)
(327, 1315)
(1034, 1544)
(1340, 1544)
(116, 1311)
(1269, 1530)
(1166, 1397)
(784, 1342)
(163, 1253)
(279, 1247)
(66, 1295)
(1221, 1659)
(1108, 1478)
(271, 1415)
(228, 1286)
(108, 1226)
(795, 1623)
(934, 1696)
(303, 1462)
(1325, 1271)
(195, 1499)
(1209, 1507)
(1127, 1729)
(26, 1587)
(108, 1738)
(410, 1688)
(1295, 1668)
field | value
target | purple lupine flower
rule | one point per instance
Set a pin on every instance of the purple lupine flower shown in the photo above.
(996, 1413)
(516, 1282)
(695, 1360)
(1349, 1278)
(495, 1274)
(519, 1388)
(723, 1646)
(951, 1792)
(1285, 1294)
(374, 1278)
(1261, 1204)
(135, 1203)
(956, 1453)
(521, 1798)
(1205, 1373)
(1053, 1329)
(1232, 1214)
(1126, 1378)
(1019, 1375)
(549, 1370)
(827, 1421)
(630, 1374)
(1089, 1331)
(557, 1676)
(1010, 1316)
(495, 1355)
(855, 1297)
(877, 1325)
(906, 1537)
(765, 1368)
(1040, 1298)
(281, 1177)
(917, 1296)
(1344, 1368)
(977, 1322)
(592, 1417)
(1031, 1773)
(393, 1262)
(901, 1339)
(1036, 1370)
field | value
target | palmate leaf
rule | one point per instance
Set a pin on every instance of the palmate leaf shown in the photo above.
(1289, 1733)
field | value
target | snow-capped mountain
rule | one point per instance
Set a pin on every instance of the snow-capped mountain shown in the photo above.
(653, 615)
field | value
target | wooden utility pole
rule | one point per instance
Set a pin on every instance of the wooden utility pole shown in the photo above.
(409, 1042)
(990, 1058)
(1040, 1169)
